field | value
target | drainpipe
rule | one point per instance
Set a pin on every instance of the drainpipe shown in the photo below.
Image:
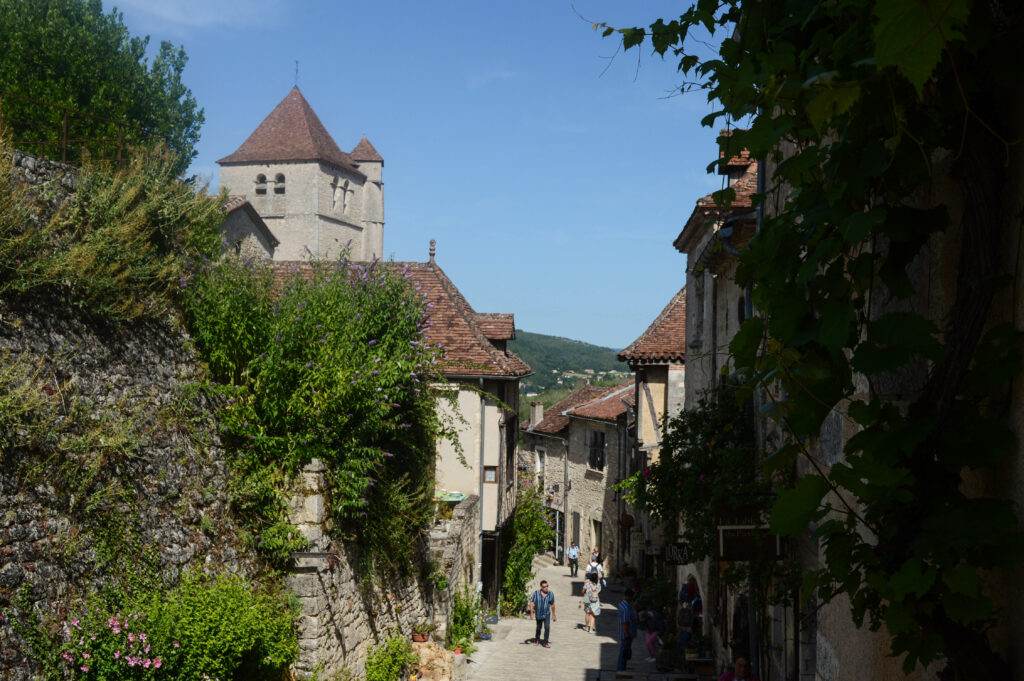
(565, 496)
(480, 540)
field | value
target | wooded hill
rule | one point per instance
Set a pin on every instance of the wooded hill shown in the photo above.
(548, 354)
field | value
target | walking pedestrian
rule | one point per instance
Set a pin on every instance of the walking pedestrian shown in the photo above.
(655, 625)
(595, 570)
(591, 603)
(542, 608)
(627, 629)
(573, 555)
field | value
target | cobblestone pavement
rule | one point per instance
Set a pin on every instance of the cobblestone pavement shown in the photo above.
(574, 655)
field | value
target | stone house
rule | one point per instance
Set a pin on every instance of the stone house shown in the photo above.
(823, 642)
(482, 378)
(313, 197)
(658, 361)
(483, 375)
(713, 309)
(577, 450)
(245, 231)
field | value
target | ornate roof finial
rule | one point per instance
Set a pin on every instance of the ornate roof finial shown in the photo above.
(433, 250)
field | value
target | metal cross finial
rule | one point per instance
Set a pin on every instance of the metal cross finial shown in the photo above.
(296, 73)
(433, 249)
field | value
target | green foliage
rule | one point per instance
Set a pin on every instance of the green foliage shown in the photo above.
(707, 464)
(546, 353)
(386, 662)
(219, 626)
(95, 642)
(877, 105)
(330, 366)
(68, 53)
(529, 532)
(120, 249)
(465, 619)
(225, 627)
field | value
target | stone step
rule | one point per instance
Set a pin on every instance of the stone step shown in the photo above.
(543, 560)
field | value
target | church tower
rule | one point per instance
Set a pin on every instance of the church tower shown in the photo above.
(309, 192)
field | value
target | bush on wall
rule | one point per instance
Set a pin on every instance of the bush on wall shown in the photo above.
(332, 364)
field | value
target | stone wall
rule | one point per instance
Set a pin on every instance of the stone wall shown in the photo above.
(454, 546)
(166, 487)
(341, 617)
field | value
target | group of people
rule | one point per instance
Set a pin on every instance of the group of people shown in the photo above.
(542, 609)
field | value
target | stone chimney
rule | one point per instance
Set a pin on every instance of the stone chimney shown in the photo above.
(536, 413)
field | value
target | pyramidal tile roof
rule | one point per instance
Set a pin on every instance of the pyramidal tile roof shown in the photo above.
(665, 339)
(292, 132)
(364, 151)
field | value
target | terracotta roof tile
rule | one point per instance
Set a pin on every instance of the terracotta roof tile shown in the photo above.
(453, 323)
(364, 151)
(497, 325)
(555, 421)
(608, 406)
(706, 211)
(665, 339)
(237, 202)
(292, 132)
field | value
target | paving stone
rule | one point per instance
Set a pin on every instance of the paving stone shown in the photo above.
(574, 655)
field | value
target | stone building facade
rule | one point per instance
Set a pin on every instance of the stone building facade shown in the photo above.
(578, 449)
(714, 308)
(657, 359)
(314, 198)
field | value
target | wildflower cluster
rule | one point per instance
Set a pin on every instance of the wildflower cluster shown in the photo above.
(332, 364)
(108, 647)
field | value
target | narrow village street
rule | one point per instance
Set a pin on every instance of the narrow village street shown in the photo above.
(574, 655)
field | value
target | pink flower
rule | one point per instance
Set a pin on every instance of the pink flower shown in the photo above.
(84, 667)
(117, 655)
(131, 637)
(176, 644)
(157, 662)
(146, 663)
(647, 473)
(86, 655)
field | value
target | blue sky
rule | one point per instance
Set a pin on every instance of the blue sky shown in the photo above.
(553, 178)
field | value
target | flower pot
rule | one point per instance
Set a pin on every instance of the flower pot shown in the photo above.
(420, 638)
(458, 650)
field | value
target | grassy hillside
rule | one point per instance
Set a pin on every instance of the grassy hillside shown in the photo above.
(545, 353)
(559, 364)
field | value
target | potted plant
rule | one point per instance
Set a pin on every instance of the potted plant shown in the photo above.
(421, 631)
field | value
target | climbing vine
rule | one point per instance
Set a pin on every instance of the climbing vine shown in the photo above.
(706, 464)
(329, 363)
(884, 130)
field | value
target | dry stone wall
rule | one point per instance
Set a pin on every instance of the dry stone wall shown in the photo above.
(165, 491)
(342, 615)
